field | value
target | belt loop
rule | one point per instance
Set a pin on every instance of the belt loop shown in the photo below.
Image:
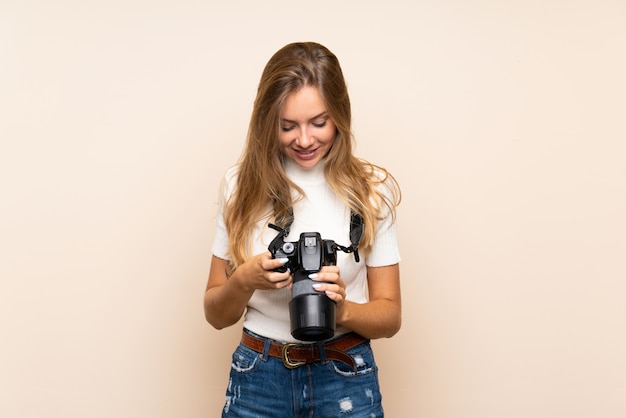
(266, 349)
(322, 351)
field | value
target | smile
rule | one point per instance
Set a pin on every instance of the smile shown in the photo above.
(305, 154)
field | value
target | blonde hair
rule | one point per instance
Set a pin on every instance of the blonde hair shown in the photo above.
(263, 189)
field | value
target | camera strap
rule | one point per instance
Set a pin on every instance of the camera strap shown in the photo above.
(356, 232)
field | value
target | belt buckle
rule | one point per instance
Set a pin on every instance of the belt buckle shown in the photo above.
(290, 364)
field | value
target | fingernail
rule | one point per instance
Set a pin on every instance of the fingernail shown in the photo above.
(317, 286)
(313, 276)
(283, 260)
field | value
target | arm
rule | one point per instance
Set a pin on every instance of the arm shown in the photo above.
(378, 318)
(228, 292)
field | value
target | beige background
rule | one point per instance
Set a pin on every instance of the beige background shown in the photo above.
(502, 120)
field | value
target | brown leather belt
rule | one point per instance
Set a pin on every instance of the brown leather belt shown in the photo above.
(295, 355)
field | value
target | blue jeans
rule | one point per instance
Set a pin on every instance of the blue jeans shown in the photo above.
(261, 386)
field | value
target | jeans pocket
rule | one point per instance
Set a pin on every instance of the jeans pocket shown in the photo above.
(363, 357)
(245, 360)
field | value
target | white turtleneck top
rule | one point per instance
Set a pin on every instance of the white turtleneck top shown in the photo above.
(321, 211)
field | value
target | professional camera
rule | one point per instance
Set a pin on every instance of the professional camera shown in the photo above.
(312, 313)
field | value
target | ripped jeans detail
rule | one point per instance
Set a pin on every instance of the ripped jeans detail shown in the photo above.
(261, 386)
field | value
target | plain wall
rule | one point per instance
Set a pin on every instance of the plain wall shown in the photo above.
(504, 122)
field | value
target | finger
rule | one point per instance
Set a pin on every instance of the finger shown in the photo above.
(334, 292)
(284, 283)
(320, 287)
(277, 277)
(326, 277)
(335, 297)
(274, 263)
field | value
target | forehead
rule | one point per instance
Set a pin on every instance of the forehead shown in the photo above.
(303, 103)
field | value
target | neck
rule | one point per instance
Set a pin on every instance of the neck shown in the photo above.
(296, 172)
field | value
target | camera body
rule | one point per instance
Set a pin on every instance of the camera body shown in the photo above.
(312, 313)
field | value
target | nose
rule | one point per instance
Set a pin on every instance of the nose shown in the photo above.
(305, 139)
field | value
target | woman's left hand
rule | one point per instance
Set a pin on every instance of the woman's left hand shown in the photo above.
(380, 316)
(328, 280)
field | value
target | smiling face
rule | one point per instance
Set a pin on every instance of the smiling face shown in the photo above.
(306, 131)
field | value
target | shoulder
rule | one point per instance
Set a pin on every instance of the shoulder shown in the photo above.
(229, 180)
(232, 173)
(380, 178)
(374, 171)
(384, 190)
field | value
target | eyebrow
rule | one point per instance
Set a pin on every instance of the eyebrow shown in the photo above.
(323, 114)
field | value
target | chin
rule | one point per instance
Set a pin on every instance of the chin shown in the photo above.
(304, 163)
(308, 163)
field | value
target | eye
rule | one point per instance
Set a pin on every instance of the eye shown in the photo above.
(286, 128)
(320, 124)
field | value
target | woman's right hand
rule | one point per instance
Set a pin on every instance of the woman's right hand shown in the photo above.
(258, 272)
(228, 292)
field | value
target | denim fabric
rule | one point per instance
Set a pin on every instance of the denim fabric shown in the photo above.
(262, 387)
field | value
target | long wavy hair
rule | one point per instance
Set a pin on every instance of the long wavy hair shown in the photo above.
(263, 190)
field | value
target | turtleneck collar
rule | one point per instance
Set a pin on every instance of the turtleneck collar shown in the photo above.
(299, 174)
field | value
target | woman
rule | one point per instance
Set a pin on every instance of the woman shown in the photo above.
(298, 172)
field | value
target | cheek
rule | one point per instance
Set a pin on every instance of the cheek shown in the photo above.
(283, 139)
(332, 133)
(329, 134)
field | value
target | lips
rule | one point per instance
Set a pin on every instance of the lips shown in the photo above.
(306, 155)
